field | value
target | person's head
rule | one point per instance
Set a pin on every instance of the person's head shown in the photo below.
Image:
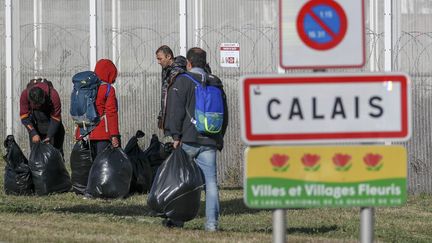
(36, 96)
(164, 56)
(196, 57)
(106, 70)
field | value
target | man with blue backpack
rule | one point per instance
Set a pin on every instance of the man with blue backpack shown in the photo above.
(94, 106)
(197, 120)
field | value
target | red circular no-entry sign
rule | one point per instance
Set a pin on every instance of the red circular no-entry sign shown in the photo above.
(322, 24)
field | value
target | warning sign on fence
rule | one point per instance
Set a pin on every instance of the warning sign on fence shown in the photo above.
(230, 55)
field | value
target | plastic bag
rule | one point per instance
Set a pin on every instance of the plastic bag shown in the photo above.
(80, 162)
(141, 171)
(110, 174)
(176, 189)
(48, 170)
(17, 177)
(157, 153)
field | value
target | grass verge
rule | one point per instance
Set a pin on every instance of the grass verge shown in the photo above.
(70, 218)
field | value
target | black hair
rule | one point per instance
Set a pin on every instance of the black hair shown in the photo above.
(36, 96)
(197, 57)
(166, 50)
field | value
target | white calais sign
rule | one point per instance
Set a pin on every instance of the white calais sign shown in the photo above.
(230, 55)
(325, 108)
(321, 33)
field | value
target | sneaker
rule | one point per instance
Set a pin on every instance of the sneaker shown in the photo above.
(211, 228)
(172, 223)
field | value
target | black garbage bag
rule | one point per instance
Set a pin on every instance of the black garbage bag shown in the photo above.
(48, 170)
(17, 177)
(141, 171)
(80, 162)
(176, 189)
(110, 174)
(156, 153)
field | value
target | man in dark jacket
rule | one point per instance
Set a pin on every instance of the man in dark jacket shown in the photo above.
(165, 58)
(171, 67)
(201, 148)
(40, 112)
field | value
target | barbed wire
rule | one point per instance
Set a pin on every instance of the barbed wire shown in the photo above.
(65, 52)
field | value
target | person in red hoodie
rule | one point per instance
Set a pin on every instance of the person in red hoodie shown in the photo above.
(107, 130)
(40, 113)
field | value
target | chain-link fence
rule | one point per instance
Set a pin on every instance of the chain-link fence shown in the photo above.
(53, 42)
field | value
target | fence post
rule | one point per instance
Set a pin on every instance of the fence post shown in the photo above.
(183, 27)
(116, 21)
(373, 26)
(388, 32)
(37, 36)
(9, 63)
(93, 34)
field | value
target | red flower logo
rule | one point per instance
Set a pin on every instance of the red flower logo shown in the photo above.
(310, 162)
(342, 162)
(279, 162)
(372, 161)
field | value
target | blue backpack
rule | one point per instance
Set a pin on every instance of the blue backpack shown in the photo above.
(209, 108)
(83, 100)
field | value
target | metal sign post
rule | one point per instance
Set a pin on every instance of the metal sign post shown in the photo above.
(279, 226)
(366, 225)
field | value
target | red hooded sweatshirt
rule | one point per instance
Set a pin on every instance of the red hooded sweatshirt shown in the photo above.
(106, 105)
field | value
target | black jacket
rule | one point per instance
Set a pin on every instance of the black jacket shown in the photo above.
(168, 75)
(181, 96)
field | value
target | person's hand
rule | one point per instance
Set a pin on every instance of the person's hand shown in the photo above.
(36, 139)
(46, 140)
(115, 142)
(176, 144)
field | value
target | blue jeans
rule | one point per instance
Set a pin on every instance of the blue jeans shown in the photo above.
(205, 157)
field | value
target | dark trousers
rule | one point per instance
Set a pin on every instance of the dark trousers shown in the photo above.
(57, 141)
(97, 146)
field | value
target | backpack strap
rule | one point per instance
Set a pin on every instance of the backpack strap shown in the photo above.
(108, 88)
(193, 121)
(50, 86)
(106, 98)
(191, 78)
